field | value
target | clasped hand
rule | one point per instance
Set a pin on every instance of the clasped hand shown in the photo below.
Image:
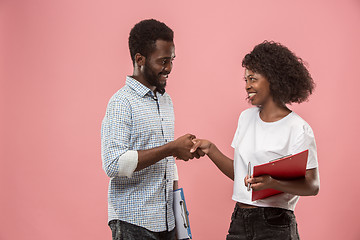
(185, 148)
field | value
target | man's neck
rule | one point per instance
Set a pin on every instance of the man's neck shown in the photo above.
(142, 80)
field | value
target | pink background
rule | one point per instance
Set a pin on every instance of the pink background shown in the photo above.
(62, 60)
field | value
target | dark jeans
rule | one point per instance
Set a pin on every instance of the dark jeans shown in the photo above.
(126, 231)
(262, 223)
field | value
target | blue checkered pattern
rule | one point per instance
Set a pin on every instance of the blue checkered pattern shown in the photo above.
(133, 121)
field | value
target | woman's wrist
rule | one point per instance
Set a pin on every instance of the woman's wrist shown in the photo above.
(212, 148)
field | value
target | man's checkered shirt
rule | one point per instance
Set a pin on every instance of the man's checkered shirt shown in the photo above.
(134, 120)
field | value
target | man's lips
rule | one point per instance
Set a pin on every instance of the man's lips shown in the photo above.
(164, 76)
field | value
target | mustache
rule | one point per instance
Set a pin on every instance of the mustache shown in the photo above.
(164, 73)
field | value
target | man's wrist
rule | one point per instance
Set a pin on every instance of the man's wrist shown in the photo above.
(170, 148)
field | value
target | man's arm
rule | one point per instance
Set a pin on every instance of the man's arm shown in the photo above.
(115, 135)
(179, 148)
(118, 160)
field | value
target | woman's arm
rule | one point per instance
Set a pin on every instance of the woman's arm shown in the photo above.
(225, 164)
(307, 186)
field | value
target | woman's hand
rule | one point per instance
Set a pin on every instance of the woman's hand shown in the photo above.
(307, 186)
(260, 182)
(202, 144)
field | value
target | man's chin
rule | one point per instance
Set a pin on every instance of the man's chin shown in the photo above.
(161, 88)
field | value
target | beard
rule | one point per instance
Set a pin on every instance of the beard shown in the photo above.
(153, 79)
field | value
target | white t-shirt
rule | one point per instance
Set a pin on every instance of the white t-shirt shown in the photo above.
(259, 142)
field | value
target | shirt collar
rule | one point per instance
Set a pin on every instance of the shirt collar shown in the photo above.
(139, 88)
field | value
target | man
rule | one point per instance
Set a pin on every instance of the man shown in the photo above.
(138, 146)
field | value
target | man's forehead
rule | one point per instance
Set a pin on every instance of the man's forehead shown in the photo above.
(164, 49)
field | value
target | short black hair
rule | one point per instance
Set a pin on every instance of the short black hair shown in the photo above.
(144, 34)
(290, 81)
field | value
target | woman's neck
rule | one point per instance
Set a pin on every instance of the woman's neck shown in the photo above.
(273, 112)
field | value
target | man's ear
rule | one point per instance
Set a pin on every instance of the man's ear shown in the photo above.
(139, 59)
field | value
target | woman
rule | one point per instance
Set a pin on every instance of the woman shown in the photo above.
(274, 77)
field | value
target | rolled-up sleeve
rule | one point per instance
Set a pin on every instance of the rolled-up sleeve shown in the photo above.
(128, 163)
(176, 175)
(115, 137)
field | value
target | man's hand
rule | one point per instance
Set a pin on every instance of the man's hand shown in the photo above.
(182, 146)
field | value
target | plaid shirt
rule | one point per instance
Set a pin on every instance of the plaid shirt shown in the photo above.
(134, 120)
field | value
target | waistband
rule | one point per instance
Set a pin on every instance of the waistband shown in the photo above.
(243, 205)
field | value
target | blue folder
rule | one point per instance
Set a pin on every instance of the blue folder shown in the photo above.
(181, 215)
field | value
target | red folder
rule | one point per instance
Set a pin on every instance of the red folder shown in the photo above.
(289, 167)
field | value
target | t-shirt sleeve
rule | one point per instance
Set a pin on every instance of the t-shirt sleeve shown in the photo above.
(306, 140)
(236, 136)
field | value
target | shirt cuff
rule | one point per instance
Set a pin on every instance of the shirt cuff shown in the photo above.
(176, 175)
(128, 163)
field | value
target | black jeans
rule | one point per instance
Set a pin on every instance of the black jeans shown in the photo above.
(126, 231)
(262, 223)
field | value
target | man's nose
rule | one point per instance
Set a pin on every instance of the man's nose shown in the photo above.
(168, 67)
